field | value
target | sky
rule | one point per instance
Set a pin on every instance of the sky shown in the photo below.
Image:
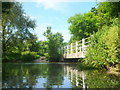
(54, 14)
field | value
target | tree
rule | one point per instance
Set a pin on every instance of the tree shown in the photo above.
(55, 42)
(82, 26)
(15, 25)
(106, 12)
(16, 32)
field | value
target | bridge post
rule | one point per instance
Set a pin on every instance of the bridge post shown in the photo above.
(64, 50)
(83, 43)
(83, 46)
(67, 49)
(71, 48)
(76, 46)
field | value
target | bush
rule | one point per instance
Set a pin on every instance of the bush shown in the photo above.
(29, 56)
(24, 56)
(11, 57)
(46, 56)
(104, 47)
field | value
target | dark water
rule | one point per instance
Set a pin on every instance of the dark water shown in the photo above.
(55, 75)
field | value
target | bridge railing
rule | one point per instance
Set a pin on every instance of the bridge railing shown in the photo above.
(76, 50)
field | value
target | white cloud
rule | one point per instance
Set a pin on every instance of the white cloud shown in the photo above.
(50, 4)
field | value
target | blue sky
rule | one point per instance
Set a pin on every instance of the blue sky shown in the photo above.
(54, 14)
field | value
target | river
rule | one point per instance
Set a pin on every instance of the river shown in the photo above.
(55, 75)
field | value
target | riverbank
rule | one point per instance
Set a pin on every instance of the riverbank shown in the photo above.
(111, 70)
(114, 70)
(80, 65)
(41, 59)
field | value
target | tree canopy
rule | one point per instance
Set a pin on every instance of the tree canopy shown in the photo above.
(54, 42)
(83, 25)
(16, 31)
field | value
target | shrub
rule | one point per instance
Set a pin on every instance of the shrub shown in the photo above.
(104, 47)
(29, 56)
(11, 56)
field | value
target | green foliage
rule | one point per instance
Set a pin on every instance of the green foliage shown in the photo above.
(108, 9)
(42, 48)
(102, 25)
(104, 46)
(54, 42)
(18, 43)
(82, 25)
(28, 56)
(23, 56)
(15, 26)
(84, 66)
(8, 57)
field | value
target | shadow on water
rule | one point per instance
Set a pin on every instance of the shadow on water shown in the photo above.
(55, 75)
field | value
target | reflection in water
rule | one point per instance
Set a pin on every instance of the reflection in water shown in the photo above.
(76, 77)
(49, 75)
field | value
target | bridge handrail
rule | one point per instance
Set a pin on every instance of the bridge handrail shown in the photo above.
(78, 46)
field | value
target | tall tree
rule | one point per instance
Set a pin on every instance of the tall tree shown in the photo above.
(55, 42)
(82, 26)
(16, 25)
(18, 41)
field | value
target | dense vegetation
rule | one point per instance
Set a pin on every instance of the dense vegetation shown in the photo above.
(101, 25)
(19, 43)
(103, 49)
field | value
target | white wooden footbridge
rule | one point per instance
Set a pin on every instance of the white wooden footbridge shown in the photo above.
(76, 50)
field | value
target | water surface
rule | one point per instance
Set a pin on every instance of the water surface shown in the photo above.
(55, 75)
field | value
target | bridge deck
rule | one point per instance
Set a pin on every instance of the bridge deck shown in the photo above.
(75, 55)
